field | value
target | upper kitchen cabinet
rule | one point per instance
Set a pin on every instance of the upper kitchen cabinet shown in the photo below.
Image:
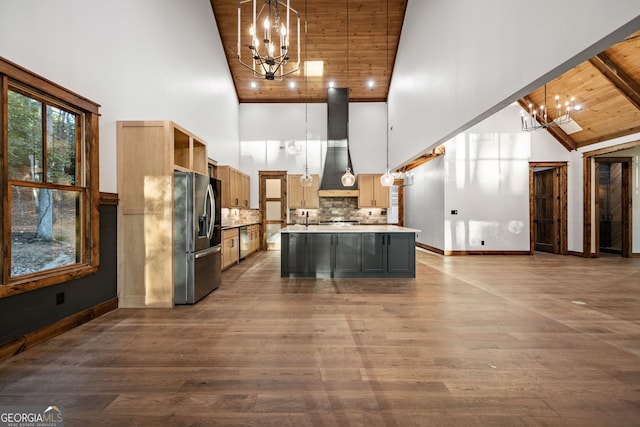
(148, 154)
(189, 153)
(372, 193)
(303, 197)
(235, 187)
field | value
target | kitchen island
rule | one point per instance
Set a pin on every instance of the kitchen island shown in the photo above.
(348, 251)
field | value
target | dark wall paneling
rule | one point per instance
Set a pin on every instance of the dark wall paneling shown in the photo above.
(29, 311)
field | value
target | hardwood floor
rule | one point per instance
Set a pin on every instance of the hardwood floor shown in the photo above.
(542, 340)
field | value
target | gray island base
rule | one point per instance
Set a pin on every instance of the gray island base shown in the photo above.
(326, 251)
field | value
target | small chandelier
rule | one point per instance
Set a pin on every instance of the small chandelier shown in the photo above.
(269, 46)
(539, 117)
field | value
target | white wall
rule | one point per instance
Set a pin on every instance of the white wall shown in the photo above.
(485, 174)
(424, 203)
(141, 60)
(272, 137)
(460, 61)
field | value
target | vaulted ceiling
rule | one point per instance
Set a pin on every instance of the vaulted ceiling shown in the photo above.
(349, 36)
(357, 40)
(607, 86)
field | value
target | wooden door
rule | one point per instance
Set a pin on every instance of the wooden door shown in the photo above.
(273, 207)
(544, 211)
(548, 208)
(613, 205)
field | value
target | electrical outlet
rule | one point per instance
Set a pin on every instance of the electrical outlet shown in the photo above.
(482, 242)
(60, 298)
(454, 211)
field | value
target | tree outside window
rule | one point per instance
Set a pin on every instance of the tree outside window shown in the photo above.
(46, 200)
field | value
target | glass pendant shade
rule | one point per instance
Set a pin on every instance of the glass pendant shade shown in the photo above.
(306, 180)
(348, 179)
(387, 179)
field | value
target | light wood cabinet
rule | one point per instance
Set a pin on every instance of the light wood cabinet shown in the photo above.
(254, 237)
(148, 153)
(235, 187)
(372, 193)
(230, 247)
(303, 197)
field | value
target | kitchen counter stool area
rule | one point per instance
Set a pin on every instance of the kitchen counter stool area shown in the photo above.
(356, 251)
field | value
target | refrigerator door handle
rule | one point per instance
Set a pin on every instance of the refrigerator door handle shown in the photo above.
(209, 251)
(212, 205)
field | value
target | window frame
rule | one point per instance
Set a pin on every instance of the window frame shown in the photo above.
(18, 77)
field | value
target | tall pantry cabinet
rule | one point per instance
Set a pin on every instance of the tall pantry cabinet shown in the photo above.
(148, 153)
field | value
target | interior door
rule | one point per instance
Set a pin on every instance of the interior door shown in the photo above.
(273, 206)
(613, 205)
(545, 219)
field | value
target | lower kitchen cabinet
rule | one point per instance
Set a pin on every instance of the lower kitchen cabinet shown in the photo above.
(230, 247)
(348, 255)
(294, 253)
(254, 238)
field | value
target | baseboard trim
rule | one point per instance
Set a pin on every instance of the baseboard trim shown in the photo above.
(576, 253)
(464, 253)
(33, 338)
(635, 255)
(429, 248)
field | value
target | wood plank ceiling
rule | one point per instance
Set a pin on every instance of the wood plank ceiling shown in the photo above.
(607, 87)
(350, 37)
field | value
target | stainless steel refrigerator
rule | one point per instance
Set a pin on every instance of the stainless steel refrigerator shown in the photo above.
(197, 236)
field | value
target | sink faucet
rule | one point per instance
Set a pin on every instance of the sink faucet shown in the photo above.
(306, 220)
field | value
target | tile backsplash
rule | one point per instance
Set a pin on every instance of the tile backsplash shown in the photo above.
(339, 209)
(239, 216)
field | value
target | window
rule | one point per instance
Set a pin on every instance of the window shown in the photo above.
(50, 217)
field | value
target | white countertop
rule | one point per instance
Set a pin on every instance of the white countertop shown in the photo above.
(382, 228)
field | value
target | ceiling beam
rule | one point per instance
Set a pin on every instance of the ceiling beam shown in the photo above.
(424, 158)
(621, 80)
(555, 131)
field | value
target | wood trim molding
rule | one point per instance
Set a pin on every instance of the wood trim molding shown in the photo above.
(109, 199)
(34, 338)
(464, 253)
(612, 149)
(34, 80)
(430, 248)
(576, 253)
(562, 208)
(588, 175)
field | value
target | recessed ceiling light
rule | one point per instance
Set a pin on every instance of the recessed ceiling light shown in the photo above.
(332, 83)
(370, 83)
(292, 85)
(254, 85)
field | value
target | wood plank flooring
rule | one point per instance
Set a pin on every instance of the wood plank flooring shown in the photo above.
(540, 340)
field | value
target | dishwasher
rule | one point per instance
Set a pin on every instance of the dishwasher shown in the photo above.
(244, 242)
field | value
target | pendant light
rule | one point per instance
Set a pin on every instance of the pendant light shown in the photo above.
(387, 179)
(348, 180)
(306, 180)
